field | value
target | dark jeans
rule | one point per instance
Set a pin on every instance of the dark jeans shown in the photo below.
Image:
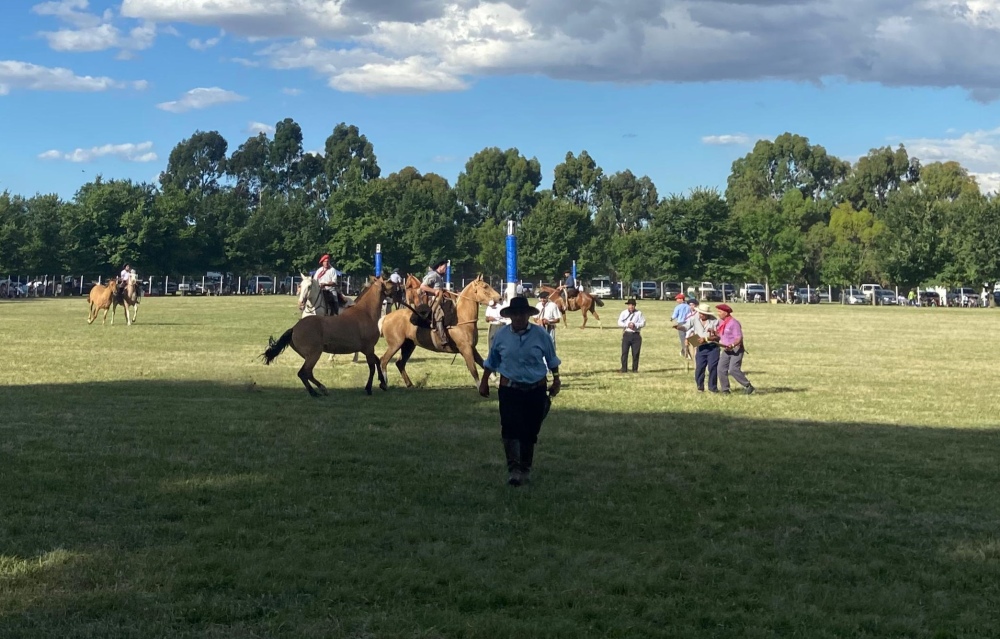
(707, 358)
(631, 342)
(522, 412)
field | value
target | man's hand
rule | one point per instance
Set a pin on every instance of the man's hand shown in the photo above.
(484, 386)
(554, 387)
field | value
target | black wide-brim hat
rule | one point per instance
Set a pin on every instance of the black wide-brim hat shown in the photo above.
(436, 265)
(518, 305)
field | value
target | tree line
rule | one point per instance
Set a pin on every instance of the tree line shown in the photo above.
(790, 212)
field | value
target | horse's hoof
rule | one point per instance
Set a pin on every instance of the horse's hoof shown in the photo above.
(384, 387)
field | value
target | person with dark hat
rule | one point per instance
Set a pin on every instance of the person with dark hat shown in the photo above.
(701, 328)
(522, 354)
(730, 333)
(548, 315)
(569, 288)
(632, 321)
(433, 290)
(326, 277)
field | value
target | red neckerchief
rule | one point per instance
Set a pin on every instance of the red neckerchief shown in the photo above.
(722, 326)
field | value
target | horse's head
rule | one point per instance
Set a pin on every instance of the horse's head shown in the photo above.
(113, 285)
(308, 291)
(483, 292)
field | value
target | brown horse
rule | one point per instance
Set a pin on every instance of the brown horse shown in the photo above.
(412, 289)
(400, 333)
(129, 298)
(102, 296)
(355, 329)
(584, 302)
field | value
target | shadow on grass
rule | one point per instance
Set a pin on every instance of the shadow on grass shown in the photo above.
(186, 509)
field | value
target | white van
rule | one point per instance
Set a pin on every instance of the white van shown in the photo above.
(600, 287)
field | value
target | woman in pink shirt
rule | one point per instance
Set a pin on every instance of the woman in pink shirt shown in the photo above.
(730, 337)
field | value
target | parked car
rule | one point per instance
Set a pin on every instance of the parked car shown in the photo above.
(750, 291)
(260, 284)
(670, 290)
(823, 294)
(601, 287)
(190, 287)
(291, 284)
(706, 292)
(806, 296)
(853, 296)
(645, 290)
(963, 296)
(878, 295)
(929, 298)
(727, 292)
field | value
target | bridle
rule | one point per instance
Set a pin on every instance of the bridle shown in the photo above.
(313, 294)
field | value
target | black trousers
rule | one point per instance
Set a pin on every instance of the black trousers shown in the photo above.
(522, 412)
(707, 358)
(631, 341)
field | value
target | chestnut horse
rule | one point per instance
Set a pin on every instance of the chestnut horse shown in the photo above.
(582, 302)
(412, 290)
(102, 296)
(400, 333)
(355, 329)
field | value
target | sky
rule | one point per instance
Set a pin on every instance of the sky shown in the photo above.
(672, 89)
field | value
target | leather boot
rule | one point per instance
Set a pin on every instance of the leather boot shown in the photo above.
(512, 448)
(527, 457)
(443, 334)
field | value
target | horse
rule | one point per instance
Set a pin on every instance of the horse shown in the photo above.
(353, 330)
(400, 333)
(412, 288)
(127, 297)
(584, 302)
(102, 296)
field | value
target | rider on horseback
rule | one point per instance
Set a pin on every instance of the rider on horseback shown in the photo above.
(326, 276)
(432, 288)
(568, 288)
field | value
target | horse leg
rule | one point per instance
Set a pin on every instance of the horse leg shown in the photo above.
(91, 314)
(470, 361)
(373, 363)
(407, 349)
(598, 317)
(306, 374)
(105, 318)
(128, 318)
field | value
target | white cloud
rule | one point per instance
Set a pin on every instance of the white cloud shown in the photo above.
(200, 98)
(977, 151)
(260, 127)
(141, 152)
(289, 91)
(71, 11)
(32, 77)
(204, 45)
(91, 32)
(246, 63)
(734, 139)
(435, 45)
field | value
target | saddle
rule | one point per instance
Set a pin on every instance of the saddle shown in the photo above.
(422, 317)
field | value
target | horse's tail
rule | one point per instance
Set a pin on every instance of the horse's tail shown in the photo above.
(599, 301)
(381, 320)
(275, 348)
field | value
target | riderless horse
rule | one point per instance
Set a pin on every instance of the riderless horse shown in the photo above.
(102, 297)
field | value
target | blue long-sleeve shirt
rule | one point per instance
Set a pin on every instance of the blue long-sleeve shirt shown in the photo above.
(522, 357)
(681, 312)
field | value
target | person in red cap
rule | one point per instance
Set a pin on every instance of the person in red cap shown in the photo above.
(730, 336)
(326, 276)
(680, 315)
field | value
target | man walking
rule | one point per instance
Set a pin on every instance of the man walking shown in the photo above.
(681, 312)
(522, 354)
(731, 357)
(702, 325)
(632, 321)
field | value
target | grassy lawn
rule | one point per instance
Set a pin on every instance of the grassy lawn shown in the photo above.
(158, 481)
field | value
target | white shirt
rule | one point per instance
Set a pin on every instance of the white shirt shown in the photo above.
(326, 276)
(396, 278)
(634, 317)
(493, 315)
(548, 311)
(504, 321)
(125, 275)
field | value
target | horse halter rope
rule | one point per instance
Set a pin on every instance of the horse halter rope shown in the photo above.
(317, 300)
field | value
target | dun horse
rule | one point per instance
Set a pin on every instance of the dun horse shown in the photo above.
(127, 297)
(102, 296)
(400, 333)
(584, 302)
(354, 330)
(412, 290)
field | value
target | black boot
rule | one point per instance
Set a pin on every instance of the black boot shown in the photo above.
(512, 448)
(527, 457)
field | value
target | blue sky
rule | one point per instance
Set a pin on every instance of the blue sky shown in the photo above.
(673, 89)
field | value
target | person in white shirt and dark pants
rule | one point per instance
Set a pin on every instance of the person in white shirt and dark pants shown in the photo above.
(632, 321)
(548, 315)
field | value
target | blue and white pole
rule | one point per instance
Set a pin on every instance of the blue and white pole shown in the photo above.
(511, 261)
(573, 272)
(447, 276)
(378, 260)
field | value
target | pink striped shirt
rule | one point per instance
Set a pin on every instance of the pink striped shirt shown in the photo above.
(730, 332)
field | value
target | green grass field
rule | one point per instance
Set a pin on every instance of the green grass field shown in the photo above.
(159, 481)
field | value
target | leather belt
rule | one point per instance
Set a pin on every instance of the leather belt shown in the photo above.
(506, 382)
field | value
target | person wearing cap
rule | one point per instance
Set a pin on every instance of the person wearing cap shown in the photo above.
(681, 312)
(326, 277)
(548, 315)
(730, 333)
(702, 326)
(522, 354)
(433, 289)
(632, 321)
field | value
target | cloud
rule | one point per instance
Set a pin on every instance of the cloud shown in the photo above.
(200, 98)
(260, 127)
(289, 91)
(204, 45)
(71, 11)
(977, 151)
(130, 152)
(91, 32)
(443, 45)
(32, 77)
(734, 139)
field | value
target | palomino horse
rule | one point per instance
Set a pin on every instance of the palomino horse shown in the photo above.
(584, 302)
(102, 296)
(412, 290)
(354, 330)
(127, 297)
(400, 333)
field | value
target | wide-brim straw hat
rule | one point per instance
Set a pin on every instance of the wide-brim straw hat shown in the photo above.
(706, 309)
